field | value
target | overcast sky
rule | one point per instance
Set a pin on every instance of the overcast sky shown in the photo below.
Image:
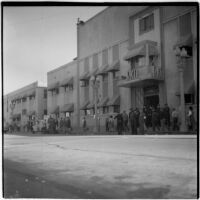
(37, 40)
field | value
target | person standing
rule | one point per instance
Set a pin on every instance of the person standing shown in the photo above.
(125, 121)
(191, 121)
(166, 113)
(131, 119)
(175, 120)
(119, 123)
(141, 123)
(107, 124)
(84, 123)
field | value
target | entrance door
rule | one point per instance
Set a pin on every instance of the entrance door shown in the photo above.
(151, 100)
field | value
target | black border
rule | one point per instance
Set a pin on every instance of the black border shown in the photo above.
(57, 3)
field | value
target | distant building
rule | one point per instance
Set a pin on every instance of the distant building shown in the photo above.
(62, 92)
(25, 103)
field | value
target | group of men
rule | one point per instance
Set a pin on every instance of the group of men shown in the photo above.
(148, 118)
(63, 125)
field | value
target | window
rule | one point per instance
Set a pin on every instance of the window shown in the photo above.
(24, 99)
(116, 74)
(84, 83)
(189, 98)
(116, 109)
(185, 25)
(45, 112)
(24, 112)
(105, 109)
(68, 88)
(146, 24)
(95, 61)
(45, 94)
(115, 52)
(105, 57)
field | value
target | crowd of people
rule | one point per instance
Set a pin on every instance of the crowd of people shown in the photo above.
(137, 121)
(149, 119)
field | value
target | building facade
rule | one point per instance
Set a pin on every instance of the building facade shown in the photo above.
(25, 103)
(62, 92)
(131, 51)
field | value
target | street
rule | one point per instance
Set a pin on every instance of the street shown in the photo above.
(100, 166)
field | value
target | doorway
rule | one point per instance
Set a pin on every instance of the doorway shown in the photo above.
(151, 100)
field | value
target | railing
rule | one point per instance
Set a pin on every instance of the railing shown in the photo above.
(145, 72)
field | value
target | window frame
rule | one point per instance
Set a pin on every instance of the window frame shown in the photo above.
(146, 23)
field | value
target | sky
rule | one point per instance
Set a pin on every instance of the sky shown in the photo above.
(37, 40)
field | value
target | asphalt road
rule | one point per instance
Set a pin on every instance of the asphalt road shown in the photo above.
(100, 166)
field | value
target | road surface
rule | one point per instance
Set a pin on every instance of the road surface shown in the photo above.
(100, 166)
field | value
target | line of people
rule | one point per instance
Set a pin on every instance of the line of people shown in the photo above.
(149, 119)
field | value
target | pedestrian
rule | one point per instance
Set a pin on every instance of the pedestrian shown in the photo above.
(131, 116)
(135, 122)
(137, 113)
(141, 123)
(107, 124)
(155, 120)
(148, 117)
(111, 123)
(175, 120)
(61, 125)
(162, 120)
(159, 114)
(125, 121)
(166, 113)
(190, 119)
(84, 123)
(119, 123)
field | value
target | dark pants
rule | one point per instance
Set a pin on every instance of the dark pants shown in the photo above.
(125, 126)
(175, 124)
(119, 127)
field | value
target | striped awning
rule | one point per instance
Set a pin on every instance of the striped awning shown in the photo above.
(93, 72)
(67, 81)
(103, 102)
(67, 108)
(84, 106)
(102, 70)
(55, 110)
(115, 101)
(53, 86)
(184, 41)
(115, 66)
(84, 76)
(32, 112)
(139, 49)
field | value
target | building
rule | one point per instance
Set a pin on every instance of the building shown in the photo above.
(131, 49)
(25, 103)
(62, 92)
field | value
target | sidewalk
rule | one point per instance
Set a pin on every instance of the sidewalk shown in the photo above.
(173, 134)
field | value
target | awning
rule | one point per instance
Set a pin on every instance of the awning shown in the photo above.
(115, 101)
(53, 86)
(16, 116)
(55, 110)
(67, 108)
(24, 96)
(103, 102)
(184, 41)
(84, 76)
(67, 81)
(90, 105)
(102, 70)
(93, 72)
(31, 93)
(84, 106)
(139, 49)
(30, 113)
(114, 66)
(188, 88)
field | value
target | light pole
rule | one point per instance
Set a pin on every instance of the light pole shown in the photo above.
(181, 56)
(95, 84)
